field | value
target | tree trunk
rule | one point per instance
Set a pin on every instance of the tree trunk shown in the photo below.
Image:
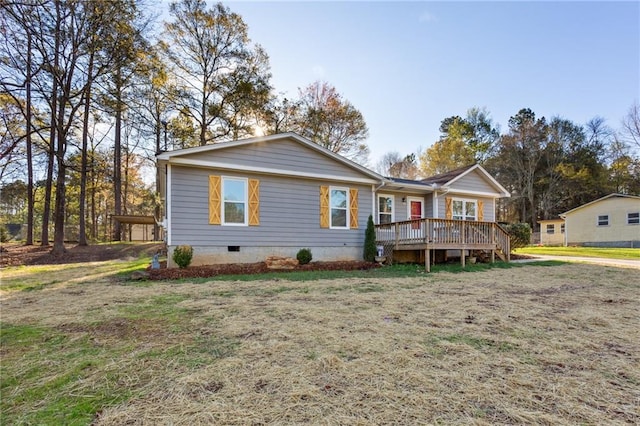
(46, 214)
(82, 237)
(117, 164)
(60, 205)
(30, 200)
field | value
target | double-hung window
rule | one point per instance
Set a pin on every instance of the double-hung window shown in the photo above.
(551, 228)
(562, 228)
(339, 202)
(465, 210)
(385, 209)
(603, 220)
(234, 201)
(633, 218)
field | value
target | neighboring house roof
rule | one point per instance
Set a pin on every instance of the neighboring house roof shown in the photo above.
(614, 195)
(175, 156)
(447, 179)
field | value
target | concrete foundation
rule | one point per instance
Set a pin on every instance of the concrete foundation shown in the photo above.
(208, 255)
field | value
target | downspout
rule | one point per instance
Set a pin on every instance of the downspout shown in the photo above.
(374, 190)
(435, 197)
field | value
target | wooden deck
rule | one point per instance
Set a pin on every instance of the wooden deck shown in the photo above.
(443, 234)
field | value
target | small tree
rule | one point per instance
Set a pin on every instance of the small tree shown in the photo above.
(182, 255)
(370, 250)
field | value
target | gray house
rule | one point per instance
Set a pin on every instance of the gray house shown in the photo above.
(241, 201)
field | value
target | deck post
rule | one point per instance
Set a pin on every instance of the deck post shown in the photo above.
(427, 261)
(462, 260)
(397, 229)
(493, 255)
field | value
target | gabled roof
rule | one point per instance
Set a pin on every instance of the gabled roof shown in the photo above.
(614, 195)
(444, 178)
(447, 179)
(174, 156)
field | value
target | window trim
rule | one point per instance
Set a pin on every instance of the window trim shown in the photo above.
(347, 207)
(464, 208)
(602, 220)
(393, 206)
(223, 219)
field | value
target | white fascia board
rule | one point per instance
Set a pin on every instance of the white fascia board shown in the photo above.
(390, 185)
(486, 174)
(478, 193)
(267, 171)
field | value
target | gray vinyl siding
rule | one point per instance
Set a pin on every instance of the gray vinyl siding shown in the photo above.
(474, 181)
(401, 209)
(283, 154)
(289, 213)
(428, 206)
(488, 208)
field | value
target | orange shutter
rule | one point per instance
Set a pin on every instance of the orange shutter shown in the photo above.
(480, 210)
(324, 206)
(448, 211)
(353, 208)
(214, 200)
(254, 202)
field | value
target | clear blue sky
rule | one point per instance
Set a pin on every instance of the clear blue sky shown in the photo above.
(408, 65)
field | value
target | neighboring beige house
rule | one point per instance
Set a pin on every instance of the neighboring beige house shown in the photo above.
(610, 221)
(552, 232)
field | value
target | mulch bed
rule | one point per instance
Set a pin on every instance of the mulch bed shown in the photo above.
(206, 271)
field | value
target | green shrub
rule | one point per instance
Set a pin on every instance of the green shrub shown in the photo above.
(520, 234)
(370, 250)
(304, 256)
(182, 255)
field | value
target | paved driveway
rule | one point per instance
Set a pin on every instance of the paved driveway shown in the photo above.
(620, 263)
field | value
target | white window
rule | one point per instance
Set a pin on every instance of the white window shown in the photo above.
(633, 218)
(465, 209)
(339, 202)
(562, 228)
(234, 201)
(603, 220)
(551, 228)
(385, 208)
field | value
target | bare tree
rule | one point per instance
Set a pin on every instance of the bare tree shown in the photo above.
(333, 122)
(631, 126)
(223, 77)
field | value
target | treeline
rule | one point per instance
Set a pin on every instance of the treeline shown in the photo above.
(91, 91)
(548, 166)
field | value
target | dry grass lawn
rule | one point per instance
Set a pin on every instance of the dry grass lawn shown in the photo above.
(529, 345)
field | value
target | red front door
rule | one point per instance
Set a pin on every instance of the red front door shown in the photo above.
(415, 212)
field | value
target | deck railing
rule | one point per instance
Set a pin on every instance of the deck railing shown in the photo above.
(443, 232)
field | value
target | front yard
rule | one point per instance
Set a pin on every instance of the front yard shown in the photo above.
(531, 344)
